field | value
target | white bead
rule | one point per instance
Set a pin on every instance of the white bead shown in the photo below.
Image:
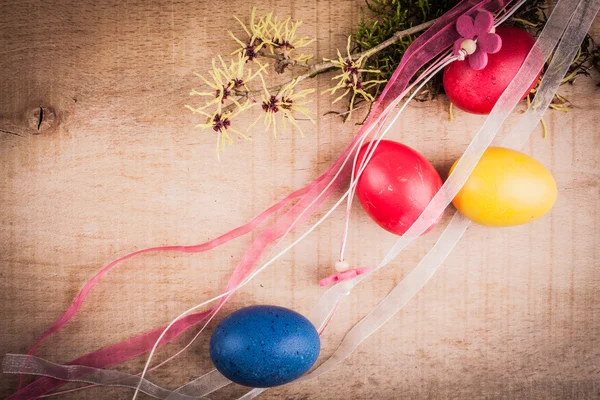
(469, 46)
(342, 266)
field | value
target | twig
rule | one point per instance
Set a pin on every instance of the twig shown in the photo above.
(397, 36)
(324, 66)
(283, 61)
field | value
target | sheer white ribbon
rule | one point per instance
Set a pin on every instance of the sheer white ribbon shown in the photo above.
(563, 23)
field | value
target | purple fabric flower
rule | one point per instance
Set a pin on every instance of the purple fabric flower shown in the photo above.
(478, 30)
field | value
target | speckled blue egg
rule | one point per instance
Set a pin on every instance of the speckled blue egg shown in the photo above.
(264, 346)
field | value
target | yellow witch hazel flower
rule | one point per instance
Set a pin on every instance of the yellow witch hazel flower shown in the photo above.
(286, 102)
(220, 122)
(260, 33)
(278, 36)
(228, 94)
(238, 74)
(225, 81)
(350, 80)
(285, 39)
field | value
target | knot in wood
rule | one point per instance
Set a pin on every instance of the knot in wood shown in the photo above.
(42, 119)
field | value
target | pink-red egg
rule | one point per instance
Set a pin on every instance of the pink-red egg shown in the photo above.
(477, 92)
(396, 185)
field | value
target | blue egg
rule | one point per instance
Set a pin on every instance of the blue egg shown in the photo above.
(264, 346)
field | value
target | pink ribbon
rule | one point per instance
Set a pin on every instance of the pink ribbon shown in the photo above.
(429, 45)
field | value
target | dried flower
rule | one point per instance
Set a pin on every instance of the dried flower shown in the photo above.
(220, 122)
(237, 74)
(229, 93)
(221, 89)
(285, 40)
(225, 81)
(280, 37)
(286, 102)
(260, 33)
(351, 78)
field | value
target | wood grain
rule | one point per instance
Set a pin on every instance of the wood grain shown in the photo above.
(513, 313)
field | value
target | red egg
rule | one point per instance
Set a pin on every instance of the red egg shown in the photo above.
(477, 92)
(396, 185)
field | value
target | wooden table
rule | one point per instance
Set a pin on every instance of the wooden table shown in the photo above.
(513, 313)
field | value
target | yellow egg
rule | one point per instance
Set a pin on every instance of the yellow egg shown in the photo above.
(506, 188)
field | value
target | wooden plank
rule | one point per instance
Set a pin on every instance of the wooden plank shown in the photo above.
(514, 313)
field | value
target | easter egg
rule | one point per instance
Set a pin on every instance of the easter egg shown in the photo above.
(506, 188)
(396, 185)
(264, 346)
(477, 92)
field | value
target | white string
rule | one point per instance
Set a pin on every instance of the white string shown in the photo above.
(310, 230)
(443, 63)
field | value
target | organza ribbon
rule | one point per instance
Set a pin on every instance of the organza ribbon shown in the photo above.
(32, 365)
(141, 344)
(565, 53)
(417, 56)
(348, 193)
(399, 246)
(578, 22)
(107, 356)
